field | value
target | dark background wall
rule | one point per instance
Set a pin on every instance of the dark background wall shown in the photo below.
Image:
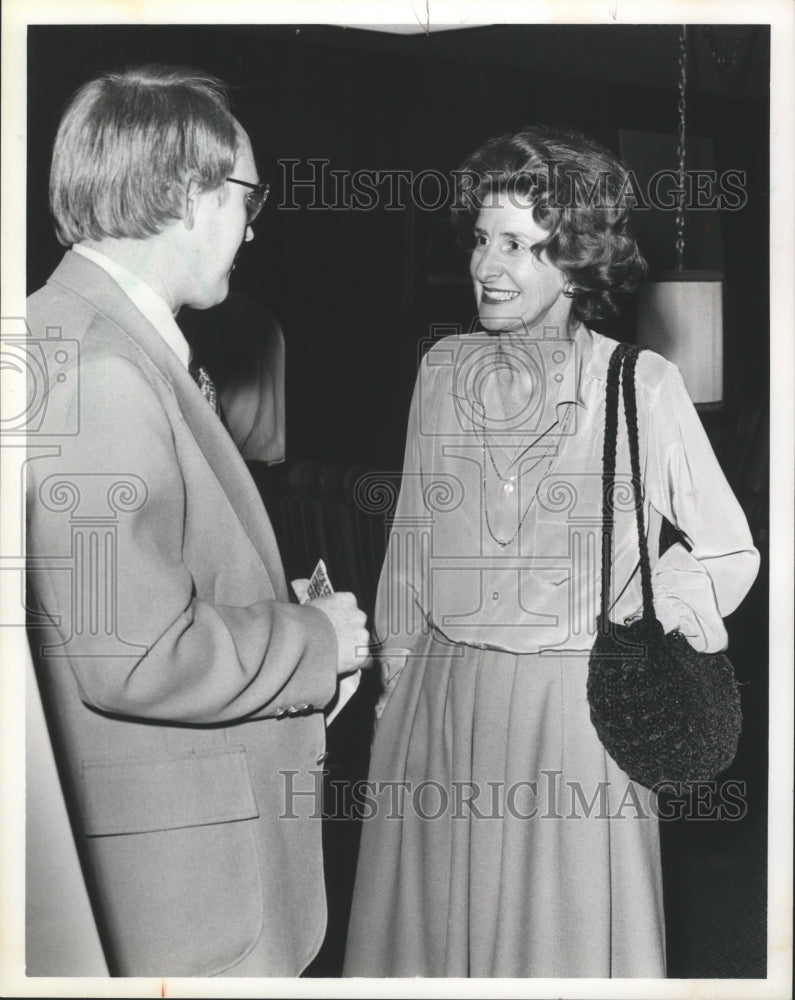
(351, 287)
(358, 292)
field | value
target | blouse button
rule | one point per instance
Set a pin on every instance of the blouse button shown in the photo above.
(495, 596)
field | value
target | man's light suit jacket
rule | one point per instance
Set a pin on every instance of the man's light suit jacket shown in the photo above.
(182, 687)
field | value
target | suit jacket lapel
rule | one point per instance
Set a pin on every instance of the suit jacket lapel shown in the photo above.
(84, 278)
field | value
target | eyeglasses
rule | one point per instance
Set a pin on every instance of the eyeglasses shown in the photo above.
(255, 199)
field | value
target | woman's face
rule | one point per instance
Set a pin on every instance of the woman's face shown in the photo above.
(515, 291)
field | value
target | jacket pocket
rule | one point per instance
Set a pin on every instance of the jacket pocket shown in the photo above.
(141, 796)
(175, 853)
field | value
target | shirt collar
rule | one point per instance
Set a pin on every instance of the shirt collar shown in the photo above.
(144, 298)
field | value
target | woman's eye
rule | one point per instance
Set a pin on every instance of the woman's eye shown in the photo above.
(514, 246)
(479, 240)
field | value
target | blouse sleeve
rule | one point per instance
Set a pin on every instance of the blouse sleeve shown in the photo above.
(399, 615)
(694, 590)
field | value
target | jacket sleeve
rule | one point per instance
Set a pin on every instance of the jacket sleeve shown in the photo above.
(175, 652)
(694, 590)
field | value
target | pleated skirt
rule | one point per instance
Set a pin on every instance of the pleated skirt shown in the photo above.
(498, 837)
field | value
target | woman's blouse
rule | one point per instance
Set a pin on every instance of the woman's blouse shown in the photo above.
(495, 539)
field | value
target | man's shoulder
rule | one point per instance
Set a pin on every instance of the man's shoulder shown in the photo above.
(64, 309)
(77, 342)
(51, 310)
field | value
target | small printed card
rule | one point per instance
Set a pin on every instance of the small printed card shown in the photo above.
(319, 586)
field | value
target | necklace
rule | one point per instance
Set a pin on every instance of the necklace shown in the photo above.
(508, 484)
(508, 481)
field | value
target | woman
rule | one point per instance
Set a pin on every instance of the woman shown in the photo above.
(501, 839)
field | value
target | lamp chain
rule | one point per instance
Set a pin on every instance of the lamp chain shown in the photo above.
(680, 151)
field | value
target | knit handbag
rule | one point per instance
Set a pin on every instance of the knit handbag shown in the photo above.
(663, 711)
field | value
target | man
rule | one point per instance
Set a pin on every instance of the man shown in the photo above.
(184, 691)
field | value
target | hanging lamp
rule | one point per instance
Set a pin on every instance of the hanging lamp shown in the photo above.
(680, 312)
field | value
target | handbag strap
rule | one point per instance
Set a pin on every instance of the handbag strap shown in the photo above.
(631, 414)
(621, 369)
(608, 476)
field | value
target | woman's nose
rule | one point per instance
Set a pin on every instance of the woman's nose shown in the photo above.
(488, 263)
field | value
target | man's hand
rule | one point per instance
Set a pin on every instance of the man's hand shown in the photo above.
(348, 620)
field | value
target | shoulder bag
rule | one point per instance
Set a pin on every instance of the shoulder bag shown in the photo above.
(663, 711)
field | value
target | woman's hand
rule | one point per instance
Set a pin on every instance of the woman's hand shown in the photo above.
(684, 600)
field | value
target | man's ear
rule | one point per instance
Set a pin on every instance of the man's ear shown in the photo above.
(190, 205)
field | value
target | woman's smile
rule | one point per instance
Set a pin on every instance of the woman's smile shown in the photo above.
(497, 295)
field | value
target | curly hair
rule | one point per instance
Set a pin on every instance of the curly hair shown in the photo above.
(579, 193)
